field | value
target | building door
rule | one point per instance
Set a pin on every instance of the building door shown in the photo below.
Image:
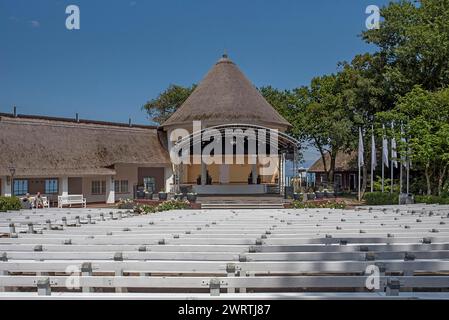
(154, 178)
(338, 182)
(75, 186)
(352, 182)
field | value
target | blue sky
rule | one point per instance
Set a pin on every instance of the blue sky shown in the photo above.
(127, 51)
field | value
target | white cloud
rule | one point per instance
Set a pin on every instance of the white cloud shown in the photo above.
(35, 23)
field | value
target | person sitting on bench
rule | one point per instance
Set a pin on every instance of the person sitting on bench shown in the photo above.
(38, 201)
(26, 202)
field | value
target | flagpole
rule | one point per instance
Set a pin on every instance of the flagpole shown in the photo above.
(360, 160)
(408, 169)
(392, 158)
(360, 195)
(384, 157)
(392, 177)
(383, 171)
(401, 160)
(373, 150)
(408, 177)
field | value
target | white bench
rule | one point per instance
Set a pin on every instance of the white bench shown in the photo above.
(71, 199)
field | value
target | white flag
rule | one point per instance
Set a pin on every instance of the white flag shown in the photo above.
(385, 149)
(361, 151)
(394, 154)
(373, 152)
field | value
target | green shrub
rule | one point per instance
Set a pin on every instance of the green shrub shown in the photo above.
(431, 199)
(379, 198)
(144, 209)
(319, 204)
(126, 204)
(164, 206)
(172, 205)
(10, 203)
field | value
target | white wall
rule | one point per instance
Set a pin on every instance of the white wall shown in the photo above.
(6, 189)
(110, 189)
(87, 189)
(63, 186)
(169, 179)
(126, 172)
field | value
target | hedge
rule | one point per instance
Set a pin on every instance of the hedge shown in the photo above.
(328, 204)
(9, 203)
(431, 199)
(164, 206)
(379, 198)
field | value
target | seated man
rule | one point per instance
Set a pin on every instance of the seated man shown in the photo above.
(26, 202)
(38, 201)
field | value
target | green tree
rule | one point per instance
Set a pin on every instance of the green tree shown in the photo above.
(285, 102)
(166, 103)
(413, 42)
(425, 116)
(319, 118)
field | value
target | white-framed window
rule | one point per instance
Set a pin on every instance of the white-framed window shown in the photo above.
(51, 186)
(20, 187)
(98, 187)
(121, 186)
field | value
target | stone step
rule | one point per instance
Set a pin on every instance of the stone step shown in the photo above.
(242, 206)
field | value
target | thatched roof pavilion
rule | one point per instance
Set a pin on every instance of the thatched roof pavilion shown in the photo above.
(226, 96)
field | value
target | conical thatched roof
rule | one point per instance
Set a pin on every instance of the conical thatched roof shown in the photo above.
(226, 96)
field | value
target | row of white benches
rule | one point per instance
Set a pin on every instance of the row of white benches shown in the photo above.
(227, 251)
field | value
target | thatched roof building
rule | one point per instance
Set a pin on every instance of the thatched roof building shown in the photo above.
(344, 162)
(226, 96)
(44, 146)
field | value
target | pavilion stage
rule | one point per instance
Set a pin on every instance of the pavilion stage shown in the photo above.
(231, 189)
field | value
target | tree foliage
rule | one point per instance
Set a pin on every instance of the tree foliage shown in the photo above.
(166, 103)
(425, 116)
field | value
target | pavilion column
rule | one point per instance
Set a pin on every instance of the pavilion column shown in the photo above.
(6, 187)
(283, 171)
(169, 178)
(203, 173)
(64, 186)
(110, 190)
(224, 173)
(254, 173)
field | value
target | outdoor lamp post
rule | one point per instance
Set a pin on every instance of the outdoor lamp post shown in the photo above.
(12, 171)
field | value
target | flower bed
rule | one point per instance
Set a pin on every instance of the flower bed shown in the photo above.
(152, 206)
(330, 204)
